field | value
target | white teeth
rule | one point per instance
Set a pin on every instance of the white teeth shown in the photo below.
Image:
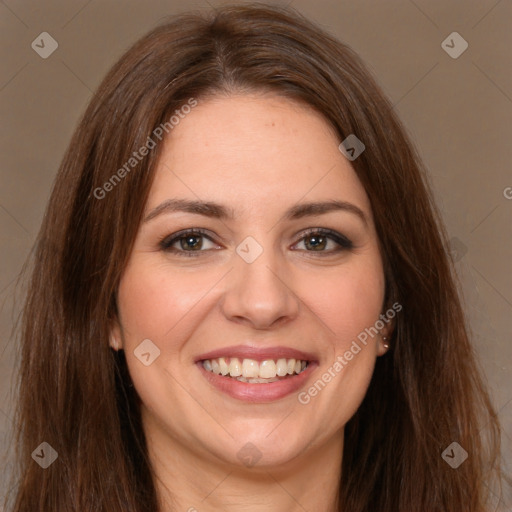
(215, 366)
(224, 368)
(267, 369)
(235, 368)
(257, 381)
(282, 367)
(252, 371)
(250, 368)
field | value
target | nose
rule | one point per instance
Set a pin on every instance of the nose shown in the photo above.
(259, 294)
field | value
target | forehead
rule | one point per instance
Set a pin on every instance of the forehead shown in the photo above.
(254, 152)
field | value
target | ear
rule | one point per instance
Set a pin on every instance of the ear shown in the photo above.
(115, 337)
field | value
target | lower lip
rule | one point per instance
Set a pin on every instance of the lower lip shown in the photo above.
(258, 393)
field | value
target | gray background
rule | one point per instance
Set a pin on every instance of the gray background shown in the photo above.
(458, 112)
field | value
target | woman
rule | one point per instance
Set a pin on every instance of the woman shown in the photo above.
(241, 297)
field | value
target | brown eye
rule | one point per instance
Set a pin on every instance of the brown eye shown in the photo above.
(194, 242)
(187, 243)
(316, 242)
(326, 241)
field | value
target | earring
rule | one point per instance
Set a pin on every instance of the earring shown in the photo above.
(386, 345)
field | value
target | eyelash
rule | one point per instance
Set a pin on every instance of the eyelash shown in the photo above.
(167, 242)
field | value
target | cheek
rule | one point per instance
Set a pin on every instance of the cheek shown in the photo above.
(153, 298)
(153, 305)
(348, 301)
(347, 304)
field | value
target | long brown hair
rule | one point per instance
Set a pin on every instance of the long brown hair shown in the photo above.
(75, 392)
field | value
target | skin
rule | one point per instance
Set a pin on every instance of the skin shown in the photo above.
(259, 155)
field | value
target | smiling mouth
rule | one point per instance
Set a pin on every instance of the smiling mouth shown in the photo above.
(255, 372)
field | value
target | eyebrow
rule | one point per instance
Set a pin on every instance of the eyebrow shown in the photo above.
(218, 211)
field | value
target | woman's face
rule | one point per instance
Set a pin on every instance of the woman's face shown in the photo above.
(261, 285)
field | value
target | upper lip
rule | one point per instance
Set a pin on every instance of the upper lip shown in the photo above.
(258, 353)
